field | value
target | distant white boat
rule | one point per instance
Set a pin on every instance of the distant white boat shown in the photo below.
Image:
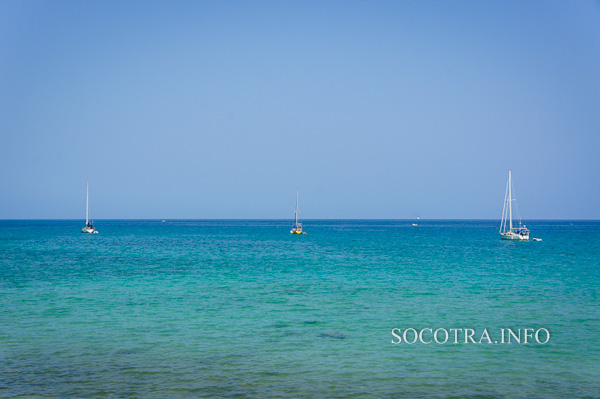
(507, 230)
(89, 226)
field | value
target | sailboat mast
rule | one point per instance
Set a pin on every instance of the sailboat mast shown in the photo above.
(87, 203)
(296, 212)
(510, 199)
(503, 221)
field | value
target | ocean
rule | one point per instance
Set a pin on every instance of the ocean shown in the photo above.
(243, 309)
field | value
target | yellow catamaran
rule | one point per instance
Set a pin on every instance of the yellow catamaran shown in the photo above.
(297, 229)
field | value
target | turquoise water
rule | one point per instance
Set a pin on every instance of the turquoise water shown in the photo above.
(186, 309)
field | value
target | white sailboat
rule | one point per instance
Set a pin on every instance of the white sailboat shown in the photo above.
(507, 230)
(89, 226)
(297, 229)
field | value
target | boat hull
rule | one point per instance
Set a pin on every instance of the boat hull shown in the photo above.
(87, 230)
(515, 236)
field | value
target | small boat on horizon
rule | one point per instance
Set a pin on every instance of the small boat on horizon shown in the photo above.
(507, 230)
(89, 225)
(297, 229)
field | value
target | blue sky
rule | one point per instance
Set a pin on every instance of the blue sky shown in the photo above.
(208, 109)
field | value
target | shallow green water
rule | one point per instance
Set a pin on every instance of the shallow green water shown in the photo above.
(186, 309)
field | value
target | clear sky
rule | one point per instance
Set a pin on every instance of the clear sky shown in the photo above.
(372, 109)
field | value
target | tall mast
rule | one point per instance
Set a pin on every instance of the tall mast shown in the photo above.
(87, 203)
(503, 221)
(510, 198)
(296, 212)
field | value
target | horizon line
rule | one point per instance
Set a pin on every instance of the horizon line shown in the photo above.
(285, 219)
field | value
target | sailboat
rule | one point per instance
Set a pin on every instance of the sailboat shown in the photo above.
(89, 226)
(297, 229)
(507, 229)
